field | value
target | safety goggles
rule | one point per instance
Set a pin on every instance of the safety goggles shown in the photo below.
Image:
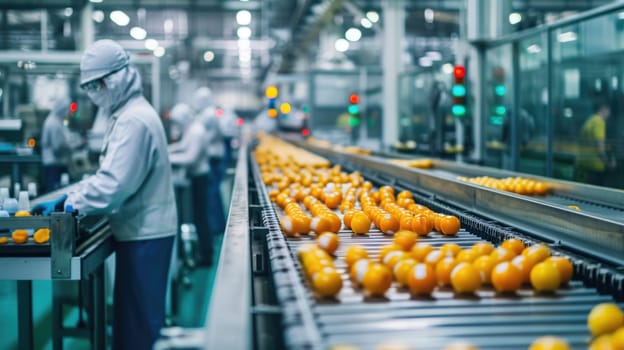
(98, 84)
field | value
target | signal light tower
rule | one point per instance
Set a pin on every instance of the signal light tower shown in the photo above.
(459, 92)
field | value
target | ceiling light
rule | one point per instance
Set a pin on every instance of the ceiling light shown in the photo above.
(434, 55)
(353, 34)
(425, 61)
(243, 32)
(243, 17)
(566, 37)
(119, 18)
(68, 12)
(447, 68)
(138, 33)
(244, 44)
(620, 15)
(366, 23)
(151, 44)
(168, 25)
(244, 56)
(534, 48)
(515, 18)
(159, 51)
(98, 16)
(373, 16)
(341, 45)
(95, 1)
(209, 56)
(429, 15)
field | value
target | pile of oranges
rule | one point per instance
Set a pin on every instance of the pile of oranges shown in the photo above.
(517, 185)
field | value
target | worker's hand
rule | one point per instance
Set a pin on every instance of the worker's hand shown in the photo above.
(46, 208)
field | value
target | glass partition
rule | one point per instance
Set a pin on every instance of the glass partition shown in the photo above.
(569, 123)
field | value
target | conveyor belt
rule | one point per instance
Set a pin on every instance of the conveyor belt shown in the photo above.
(486, 319)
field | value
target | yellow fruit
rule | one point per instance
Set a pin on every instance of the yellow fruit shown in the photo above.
(467, 255)
(421, 279)
(360, 223)
(524, 265)
(386, 249)
(513, 244)
(377, 279)
(392, 258)
(549, 343)
(355, 253)
(465, 278)
(617, 339)
(357, 271)
(536, 253)
(420, 251)
(443, 270)
(4, 240)
(565, 267)
(545, 277)
(405, 239)
(20, 236)
(605, 318)
(603, 342)
(328, 241)
(460, 346)
(321, 224)
(327, 282)
(501, 254)
(22, 213)
(42, 235)
(506, 277)
(401, 270)
(388, 224)
(483, 248)
(433, 258)
(287, 225)
(449, 225)
(485, 264)
(450, 249)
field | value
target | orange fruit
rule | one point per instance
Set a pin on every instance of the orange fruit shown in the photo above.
(360, 223)
(450, 249)
(443, 270)
(405, 239)
(313, 266)
(485, 264)
(501, 254)
(449, 225)
(328, 241)
(460, 346)
(421, 279)
(483, 248)
(301, 223)
(524, 265)
(354, 253)
(506, 277)
(565, 267)
(420, 251)
(465, 278)
(536, 253)
(22, 213)
(404, 194)
(346, 218)
(467, 255)
(335, 223)
(603, 342)
(388, 224)
(321, 224)
(357, 270)
(4, 240)
(545, 277)
(421, 225)
(287, 225)
(433, 258)
(401, 269)
(20, 236)
(549, 343)
(327, 282)
(604, 318)
(384, 250)
(42, 235)
(332, 200)
(392, 258)
(406, 222)
(377, 279)
(513, 244)
(617, 339)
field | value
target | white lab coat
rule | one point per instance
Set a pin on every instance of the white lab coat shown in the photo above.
(190, 151)
(55, 148)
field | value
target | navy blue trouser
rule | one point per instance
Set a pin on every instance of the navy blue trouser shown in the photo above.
(52, 176)
(141, 271)
(201, 210)
(216, 215)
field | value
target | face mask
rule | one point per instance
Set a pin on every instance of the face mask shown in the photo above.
(100, 98)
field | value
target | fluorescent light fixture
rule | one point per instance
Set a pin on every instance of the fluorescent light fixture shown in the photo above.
(566, 37)
(434, 55)
(534, 48)
(425, 61)
(159, 51)
(244, 58)
(138, 33)
(68, 12)
(244, 44)
(119, 18)
(151, 44)
(447, 68)
(209, 56)
(515, 18)
(366, 23)
(168, 25)
(243, 32)
(341, 45)
(243, 17)
(353, 34)
(429, 15)
(95, 1)
(373, 16)
(98, 16)
(621, 15)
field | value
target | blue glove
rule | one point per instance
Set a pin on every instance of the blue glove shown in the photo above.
(46, 208)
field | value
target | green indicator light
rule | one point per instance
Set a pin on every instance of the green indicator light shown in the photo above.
(354, 121)
(458, 91)
(496, 120)
(458, 110)
(354, 109)
(500, 110)
(500, 90)
(305, 108)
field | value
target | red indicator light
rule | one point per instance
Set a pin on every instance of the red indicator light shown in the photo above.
(73, 107)
(219, 112)
(354, 99)
(305, 132)
(240, 121)
(459, 72)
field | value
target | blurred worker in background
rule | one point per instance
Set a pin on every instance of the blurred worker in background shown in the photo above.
(206, 112)
(190, 152)
(230, 131)
(55, 146)
(133, 185)
(592, 161)
(264, 123)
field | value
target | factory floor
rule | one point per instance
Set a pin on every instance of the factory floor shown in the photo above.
(192, 303)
